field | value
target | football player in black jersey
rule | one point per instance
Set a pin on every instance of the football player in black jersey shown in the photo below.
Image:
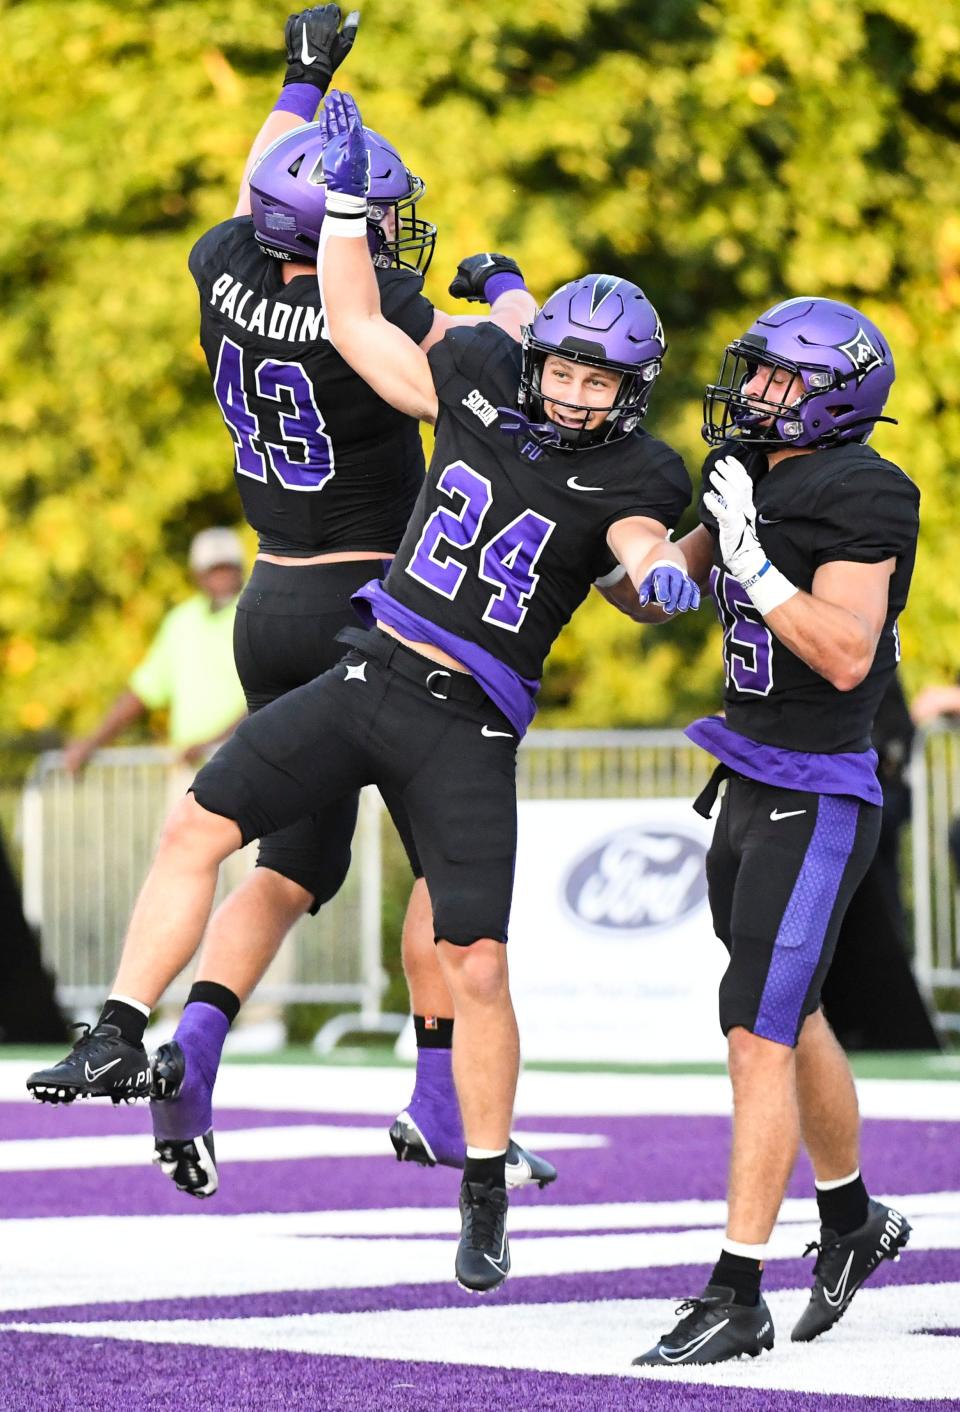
(807, 543)
(327, 474)
(541, 482)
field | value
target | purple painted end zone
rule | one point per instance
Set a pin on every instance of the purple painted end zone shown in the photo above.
(126, 1377)
(653, 1158)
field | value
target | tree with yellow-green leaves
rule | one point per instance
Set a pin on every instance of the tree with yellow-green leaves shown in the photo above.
(724, 155)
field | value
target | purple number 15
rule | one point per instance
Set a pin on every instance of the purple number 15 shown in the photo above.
(747, 643)
(507, 560)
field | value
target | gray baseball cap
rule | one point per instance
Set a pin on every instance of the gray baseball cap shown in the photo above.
(212, 547)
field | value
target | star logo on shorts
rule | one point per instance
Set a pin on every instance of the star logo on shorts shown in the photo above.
(356, 673)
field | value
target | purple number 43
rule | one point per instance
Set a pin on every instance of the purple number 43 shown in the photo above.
(747, 642)
(301, 426)
(507, 560)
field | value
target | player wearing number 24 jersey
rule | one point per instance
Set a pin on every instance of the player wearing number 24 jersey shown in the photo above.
(540, 483)
(807, 541)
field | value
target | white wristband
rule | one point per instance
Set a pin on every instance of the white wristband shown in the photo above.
(345, 225)
(769, 588)
(341, 203)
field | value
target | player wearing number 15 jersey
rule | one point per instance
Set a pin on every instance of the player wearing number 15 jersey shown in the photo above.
(807, 541)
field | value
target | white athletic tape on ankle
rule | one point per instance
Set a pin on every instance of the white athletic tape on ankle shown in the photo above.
(841, 1181)
(129, 1000)
(481, 1153)
(749, 1252)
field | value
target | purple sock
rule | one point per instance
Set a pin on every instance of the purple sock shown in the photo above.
(200, 1034)
(434, 1107)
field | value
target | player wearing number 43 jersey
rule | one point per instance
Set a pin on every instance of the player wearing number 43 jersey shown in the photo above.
(328, 474)
(540, 482)
(807, 542)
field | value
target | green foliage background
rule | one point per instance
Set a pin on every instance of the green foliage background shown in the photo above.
(724, 153)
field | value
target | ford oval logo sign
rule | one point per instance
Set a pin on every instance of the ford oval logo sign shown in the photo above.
(637, 880)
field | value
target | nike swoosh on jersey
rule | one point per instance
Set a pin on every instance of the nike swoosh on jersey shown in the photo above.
(835, 1297)
(485, 730)
(93, 1074)
(764, 521)
(574, 484)
(305, 54)
(677, 1355)
(776, 815)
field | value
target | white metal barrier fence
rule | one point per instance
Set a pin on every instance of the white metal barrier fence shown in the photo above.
(87, 846)
(935, 779)
(88, 842)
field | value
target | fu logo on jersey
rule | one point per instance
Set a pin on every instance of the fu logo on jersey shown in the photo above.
(862, 354)
(479, 406)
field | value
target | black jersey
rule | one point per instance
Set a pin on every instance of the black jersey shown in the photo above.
(500, 550)
(843, 503)
(322, 463)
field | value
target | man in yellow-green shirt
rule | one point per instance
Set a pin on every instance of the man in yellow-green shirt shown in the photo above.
(189, 667)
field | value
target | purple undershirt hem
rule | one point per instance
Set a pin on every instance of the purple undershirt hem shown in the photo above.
(510, 693)
(853, 773)
(301, 99)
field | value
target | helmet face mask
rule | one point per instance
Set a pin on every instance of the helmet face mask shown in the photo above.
(288, 201)
(842, 362)
(602, 322)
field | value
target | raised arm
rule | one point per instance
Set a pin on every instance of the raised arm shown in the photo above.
(379, 352)
(316, 46)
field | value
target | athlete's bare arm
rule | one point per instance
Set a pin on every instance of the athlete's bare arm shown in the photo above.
(276, 125)
(511, 312)
(692, 553)
(835, 627)
(379, 352)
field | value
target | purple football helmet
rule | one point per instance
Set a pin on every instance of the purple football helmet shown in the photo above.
(607, 323)
(841, 358)
(288, 201)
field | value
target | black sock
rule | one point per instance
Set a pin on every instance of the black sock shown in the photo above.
(739, 1273)
(486, 1169)
(130, 1021)
(433, 1032)
(843, 1208)
(211, 993)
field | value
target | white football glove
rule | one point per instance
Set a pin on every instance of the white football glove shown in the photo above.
(730, 501)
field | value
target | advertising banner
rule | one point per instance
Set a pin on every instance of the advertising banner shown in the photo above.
(612, 952)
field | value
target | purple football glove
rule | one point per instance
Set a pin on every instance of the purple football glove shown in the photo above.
(670, 587)
(346, 163)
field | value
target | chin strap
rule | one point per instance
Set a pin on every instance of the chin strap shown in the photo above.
(533, 438)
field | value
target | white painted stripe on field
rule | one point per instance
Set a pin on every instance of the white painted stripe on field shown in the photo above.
(61, 1260)
(385, 1091)
(238, 1145)
(601, 1337)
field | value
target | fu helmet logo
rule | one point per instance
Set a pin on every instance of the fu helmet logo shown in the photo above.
(862, 354)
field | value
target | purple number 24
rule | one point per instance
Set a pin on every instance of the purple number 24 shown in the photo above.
(507, 560)
(747, 643)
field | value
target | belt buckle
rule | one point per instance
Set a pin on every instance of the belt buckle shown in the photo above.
(438, 672)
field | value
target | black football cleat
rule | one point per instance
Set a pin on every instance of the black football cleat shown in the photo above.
(483, 1255)
(522, 1168)
(713, 1329)
(167, 1071)
(190, 1165)
(844, 1262)
(102, 1064)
